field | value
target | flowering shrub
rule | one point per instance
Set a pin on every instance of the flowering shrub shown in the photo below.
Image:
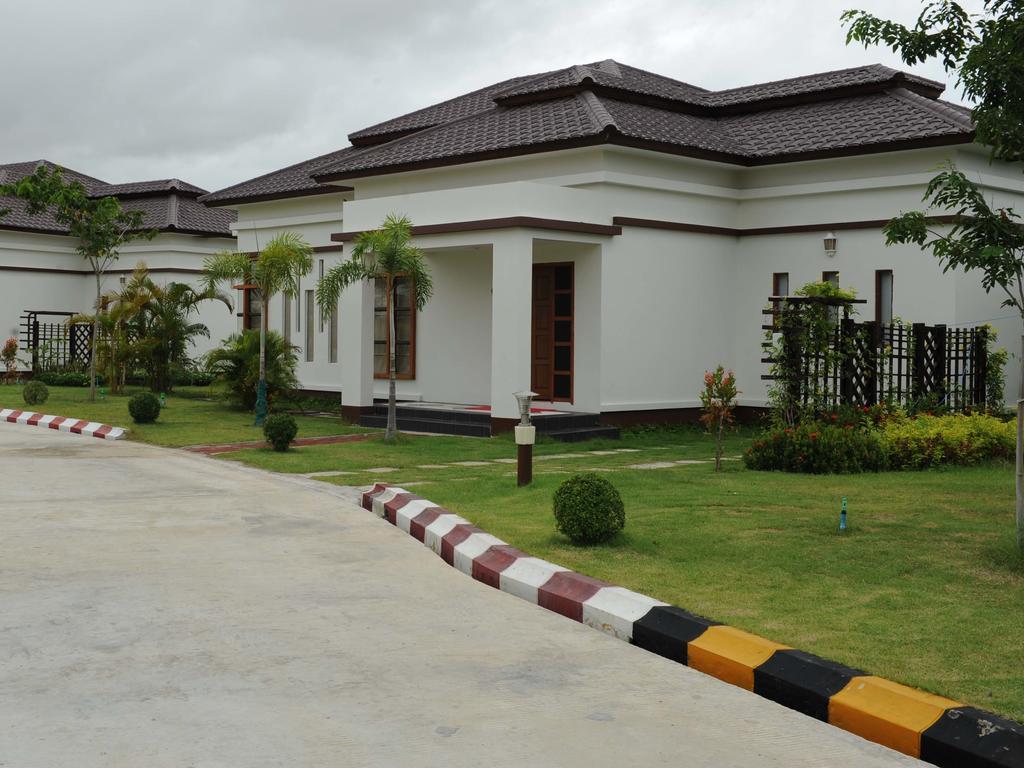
(718, 399)
(929, 441)
(818, 447)
(9, 356)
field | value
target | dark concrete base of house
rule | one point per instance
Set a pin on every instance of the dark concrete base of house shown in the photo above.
(472, 421)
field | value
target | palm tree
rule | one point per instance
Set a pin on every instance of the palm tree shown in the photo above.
(276, 269)
(117, 321)
(381, 254)
(168, 328)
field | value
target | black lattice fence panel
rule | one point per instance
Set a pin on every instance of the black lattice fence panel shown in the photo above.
(56, 344)
(865, 363)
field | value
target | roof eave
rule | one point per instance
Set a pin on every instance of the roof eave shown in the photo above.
(227, 202)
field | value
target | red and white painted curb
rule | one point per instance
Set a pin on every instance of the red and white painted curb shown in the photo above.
(63, 424)
(494, 562)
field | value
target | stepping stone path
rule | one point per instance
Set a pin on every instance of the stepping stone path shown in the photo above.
(553, 457)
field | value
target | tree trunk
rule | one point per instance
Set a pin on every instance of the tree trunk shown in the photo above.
(95, 345)
(1020, 451)
(392, 428)
(261, 388)
(718, 444)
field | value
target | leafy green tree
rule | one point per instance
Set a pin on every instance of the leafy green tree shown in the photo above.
(986, 52)
(275, 269)
(100, 225)
(382, 254)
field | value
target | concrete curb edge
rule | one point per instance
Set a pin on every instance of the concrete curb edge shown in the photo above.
(63, 424)
(933, 728)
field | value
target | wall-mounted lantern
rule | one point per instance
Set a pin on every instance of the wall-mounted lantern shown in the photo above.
(830, 244)
(526, 436)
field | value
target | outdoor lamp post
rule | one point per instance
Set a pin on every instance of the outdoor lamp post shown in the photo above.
(526, 436)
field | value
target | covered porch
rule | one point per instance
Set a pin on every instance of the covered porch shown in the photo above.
(514, 307)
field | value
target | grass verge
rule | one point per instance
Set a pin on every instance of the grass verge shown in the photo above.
(193, 416)
(925, 588)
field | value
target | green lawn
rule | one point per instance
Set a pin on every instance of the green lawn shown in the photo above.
(925, 588)
(192, 416)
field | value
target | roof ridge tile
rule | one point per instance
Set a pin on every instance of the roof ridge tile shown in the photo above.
(602, 116)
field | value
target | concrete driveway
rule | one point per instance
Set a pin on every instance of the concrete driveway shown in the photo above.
(164, 609)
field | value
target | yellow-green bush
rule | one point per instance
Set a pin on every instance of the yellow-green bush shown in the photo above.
(929, 441)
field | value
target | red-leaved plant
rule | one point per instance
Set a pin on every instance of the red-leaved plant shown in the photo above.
(10, 357)
(719, 400)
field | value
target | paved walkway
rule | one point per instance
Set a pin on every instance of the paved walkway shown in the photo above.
(161, 609)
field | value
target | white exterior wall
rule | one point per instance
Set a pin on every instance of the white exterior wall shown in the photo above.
(45, 272)
(655, 308)
(315, 218)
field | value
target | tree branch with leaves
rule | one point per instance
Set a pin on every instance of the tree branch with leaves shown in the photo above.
(986, 52)
(100, 225)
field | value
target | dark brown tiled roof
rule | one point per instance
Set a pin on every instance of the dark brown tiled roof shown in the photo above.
(145, 188)
(169, 205)
(609, 74)
(837, 80)
(293, 181)
(445, 112)
(849, 111)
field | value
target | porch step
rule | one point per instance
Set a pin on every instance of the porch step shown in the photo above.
(567, 427)
(435, 422)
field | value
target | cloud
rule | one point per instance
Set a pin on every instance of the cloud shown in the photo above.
(218, 92)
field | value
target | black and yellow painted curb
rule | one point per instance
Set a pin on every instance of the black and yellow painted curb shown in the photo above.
(936, 729)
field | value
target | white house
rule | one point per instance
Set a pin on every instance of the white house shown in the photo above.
(41, 272)
(603, 235)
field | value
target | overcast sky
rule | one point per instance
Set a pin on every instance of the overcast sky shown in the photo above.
(219, 91)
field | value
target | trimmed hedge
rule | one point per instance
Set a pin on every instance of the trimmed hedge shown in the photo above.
(588, 509)
(931, 441)
(280, 429)
(35, 393)
(144, 408)
(818, 448)
(63, 378)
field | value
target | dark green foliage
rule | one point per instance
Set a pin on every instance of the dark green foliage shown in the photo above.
(144, 408)
(35, 393)
(237, 363)
(280, 429)
(818, 447)
(986, 51)
(189, 376)
(588, 509)
(63, 378)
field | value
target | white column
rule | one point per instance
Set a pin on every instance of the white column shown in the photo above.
(355, 345)
(511, 303)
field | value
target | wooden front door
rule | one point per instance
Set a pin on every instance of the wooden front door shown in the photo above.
(553, 300)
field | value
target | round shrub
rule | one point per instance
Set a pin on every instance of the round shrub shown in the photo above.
(588, 509)
(280, 429)
(35, 393)
(144, 407)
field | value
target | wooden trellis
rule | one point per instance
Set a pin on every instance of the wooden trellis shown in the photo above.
(55, 344)
(865, 363)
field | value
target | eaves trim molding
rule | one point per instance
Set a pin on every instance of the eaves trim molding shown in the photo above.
(679, 226)
(508, 222)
